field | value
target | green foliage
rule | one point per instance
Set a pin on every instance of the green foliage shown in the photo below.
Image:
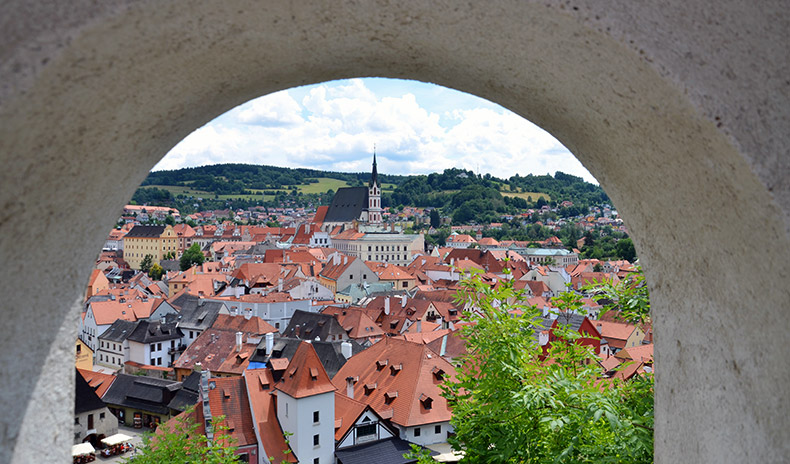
(630, 297)
(156, 272)
(146, 263)
(625, 249)
(436, 221)
(193, 255)
(178, 442)
(512, 406)
(170, 220)
(420, 454)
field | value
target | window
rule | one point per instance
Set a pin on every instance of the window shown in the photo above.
(365, 276)
(315, 417)
(101, 415)
(158, 346)
(76, 421)
(437, 429)
(417, 432)
(317, 461)
(315, 440)
(366, 430)
(351, 276)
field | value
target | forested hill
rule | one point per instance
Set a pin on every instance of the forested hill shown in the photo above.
(236, 178)
(457, 192)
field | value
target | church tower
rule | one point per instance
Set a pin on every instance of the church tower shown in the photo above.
(374, 195)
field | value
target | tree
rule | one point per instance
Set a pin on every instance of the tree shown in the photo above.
(170, 220)
(625, 249)
(156, 272)
(193, 255)
(510, 405)
(178, 442)
(146, 263)
(436, 221)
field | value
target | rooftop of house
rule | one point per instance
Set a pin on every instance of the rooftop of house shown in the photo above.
(400, 377)
(141, 393)
(100, 382)
(85, 398)
(305, 375)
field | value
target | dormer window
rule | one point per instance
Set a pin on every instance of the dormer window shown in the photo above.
(395, 369)
(438, 373)
(426, 401)
(381, 364)
(369, 387)
(389, 397)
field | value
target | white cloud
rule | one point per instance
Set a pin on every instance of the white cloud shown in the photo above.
(334, 126)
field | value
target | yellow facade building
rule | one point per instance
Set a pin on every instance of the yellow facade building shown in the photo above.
(156, 241)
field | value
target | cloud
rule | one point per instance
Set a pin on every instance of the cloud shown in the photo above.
(334, 126)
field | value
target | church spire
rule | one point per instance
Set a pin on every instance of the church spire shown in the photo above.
(374, 176)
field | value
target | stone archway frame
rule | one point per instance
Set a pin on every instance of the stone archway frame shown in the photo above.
(680, 110)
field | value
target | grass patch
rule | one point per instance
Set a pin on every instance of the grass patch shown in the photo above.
(526, 195)
(323, 184)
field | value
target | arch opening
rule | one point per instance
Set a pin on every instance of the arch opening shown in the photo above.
(118, 88)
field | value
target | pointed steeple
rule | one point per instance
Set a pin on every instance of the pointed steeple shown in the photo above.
(374, 176)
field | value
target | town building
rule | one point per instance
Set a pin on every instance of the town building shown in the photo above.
(156, 241)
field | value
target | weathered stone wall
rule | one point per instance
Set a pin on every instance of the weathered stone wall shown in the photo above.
(679, 108)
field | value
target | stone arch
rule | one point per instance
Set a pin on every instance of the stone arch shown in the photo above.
(679, 110)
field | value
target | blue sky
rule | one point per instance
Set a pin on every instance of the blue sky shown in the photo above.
(417, 128)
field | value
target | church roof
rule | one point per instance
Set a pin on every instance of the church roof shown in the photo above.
(347, 204)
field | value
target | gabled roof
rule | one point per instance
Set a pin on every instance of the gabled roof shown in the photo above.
(107, 312)
(85, 398)
(309, 326)
(260, 388)
(613, 331)
(98, 381)
(142, 393)
(389, 451)
(118, 331)
(411, 370)
(145, 232)
(196, 312)
(188, 395)
(252, 326)
(216, 351)
(305, 375)
(347, 204)
(228, 397)
(284, 349)
(150, 332)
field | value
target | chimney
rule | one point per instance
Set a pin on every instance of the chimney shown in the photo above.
(345, 260)
(248, 313)
(350, 387)
(452, 261)
(205, 375)
(345, 349)
(280, 284)
(336, 258)
(269, 343)
(403, 300)
(387, 306)
(443, 349)
(419, 325)
(297, 330)
(239, 337)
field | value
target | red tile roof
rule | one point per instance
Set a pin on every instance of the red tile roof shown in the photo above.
(260, 388)
(228, 397)
(98, 381)
(397, 366)
(305, 375)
